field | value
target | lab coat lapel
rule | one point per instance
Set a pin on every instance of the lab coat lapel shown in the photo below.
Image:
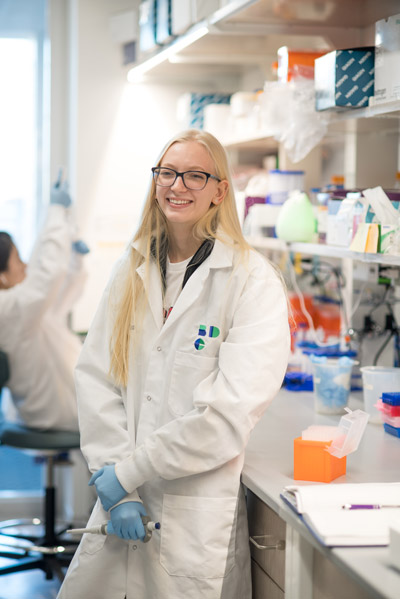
(152, 287)
(221, 257)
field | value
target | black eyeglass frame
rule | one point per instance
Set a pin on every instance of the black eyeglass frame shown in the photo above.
(155, 170)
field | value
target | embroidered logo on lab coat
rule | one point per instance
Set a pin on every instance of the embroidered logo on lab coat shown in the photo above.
(213, 331)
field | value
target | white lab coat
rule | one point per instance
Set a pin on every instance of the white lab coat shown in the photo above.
(178, 432)
(42, 351)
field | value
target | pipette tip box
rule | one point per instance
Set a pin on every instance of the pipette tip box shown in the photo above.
(313, 462)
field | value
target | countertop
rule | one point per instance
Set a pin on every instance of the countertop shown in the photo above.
(269, 467)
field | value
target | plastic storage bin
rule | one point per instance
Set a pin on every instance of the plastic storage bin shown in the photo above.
(390, 408)
(376, 381)
(281, 183)
(332, 379)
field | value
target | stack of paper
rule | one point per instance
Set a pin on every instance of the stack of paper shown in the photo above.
(370, 510)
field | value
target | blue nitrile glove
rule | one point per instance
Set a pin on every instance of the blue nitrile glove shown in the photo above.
(108, 487)
(59, 195)
(126, 521)
(80, 247)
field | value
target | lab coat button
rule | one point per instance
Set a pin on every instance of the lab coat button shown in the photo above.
(148, 398)
(134, 547)
(159, 348)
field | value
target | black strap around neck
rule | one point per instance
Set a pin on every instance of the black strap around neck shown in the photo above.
(202, 254)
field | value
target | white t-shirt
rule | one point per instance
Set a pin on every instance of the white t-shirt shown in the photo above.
(174, 279)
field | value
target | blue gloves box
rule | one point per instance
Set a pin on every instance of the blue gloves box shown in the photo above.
(344, 78)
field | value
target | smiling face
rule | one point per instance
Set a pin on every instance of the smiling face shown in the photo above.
(184, 207)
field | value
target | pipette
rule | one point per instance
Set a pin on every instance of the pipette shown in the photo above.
(59, 177)
(106, 529)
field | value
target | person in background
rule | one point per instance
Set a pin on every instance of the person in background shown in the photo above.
(35, 301)
(188, 347)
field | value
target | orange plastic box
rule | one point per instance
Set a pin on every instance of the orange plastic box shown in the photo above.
(313, 462)
(296, 63)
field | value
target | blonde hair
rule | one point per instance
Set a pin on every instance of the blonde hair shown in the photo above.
(220, 222)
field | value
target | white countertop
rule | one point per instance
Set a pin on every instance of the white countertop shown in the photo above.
(269, 467)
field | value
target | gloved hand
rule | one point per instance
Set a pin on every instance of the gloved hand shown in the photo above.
(108, 487)
(80, 247)
(59, 194)
(126, 521)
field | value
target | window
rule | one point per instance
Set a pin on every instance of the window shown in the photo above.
(22, 143)
(23, 151)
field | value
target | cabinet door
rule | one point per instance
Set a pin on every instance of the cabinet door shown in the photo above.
(331, 583)
(267, 528)
(263, 586)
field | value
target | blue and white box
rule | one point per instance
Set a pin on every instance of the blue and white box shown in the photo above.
(164, 25)
(190, 109)
(147, 25)
(344, 78)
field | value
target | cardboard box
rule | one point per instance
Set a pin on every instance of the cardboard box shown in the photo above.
(344, 78)
(387, 59)
(182, 16)
(204, 8)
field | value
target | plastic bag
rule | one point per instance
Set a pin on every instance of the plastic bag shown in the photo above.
(288, 111)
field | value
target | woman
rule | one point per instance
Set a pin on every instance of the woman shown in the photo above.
(34, 303)
(188, 347)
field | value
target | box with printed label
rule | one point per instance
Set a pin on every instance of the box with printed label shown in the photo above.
(344, 78)
(164, 21)
(190, 111)
(387, 59)
(147, 25)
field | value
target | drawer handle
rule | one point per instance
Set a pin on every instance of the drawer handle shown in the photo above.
(276, 544)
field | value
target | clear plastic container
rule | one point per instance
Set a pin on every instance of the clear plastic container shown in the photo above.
(378, 380)
(332, 379)
(281, 183)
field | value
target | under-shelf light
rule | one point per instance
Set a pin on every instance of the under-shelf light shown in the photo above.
(135, 74)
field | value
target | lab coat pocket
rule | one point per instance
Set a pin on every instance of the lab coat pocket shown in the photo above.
(188, 371)
(92, 543)
(198, 536)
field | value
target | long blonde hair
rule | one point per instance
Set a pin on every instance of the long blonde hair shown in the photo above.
(220, 222)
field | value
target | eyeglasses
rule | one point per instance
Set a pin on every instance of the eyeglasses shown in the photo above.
(195, 180)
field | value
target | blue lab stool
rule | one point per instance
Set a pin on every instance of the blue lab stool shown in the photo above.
(47, 549)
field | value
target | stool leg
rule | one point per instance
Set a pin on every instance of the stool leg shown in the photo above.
(50, 504)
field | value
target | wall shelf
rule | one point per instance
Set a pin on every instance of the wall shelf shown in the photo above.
(318, 249)
(246, 32)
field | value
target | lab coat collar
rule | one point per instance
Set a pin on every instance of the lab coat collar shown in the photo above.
(221, 257)
(222, 254)
(153, 290)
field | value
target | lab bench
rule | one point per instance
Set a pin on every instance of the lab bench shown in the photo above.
(299, 567)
